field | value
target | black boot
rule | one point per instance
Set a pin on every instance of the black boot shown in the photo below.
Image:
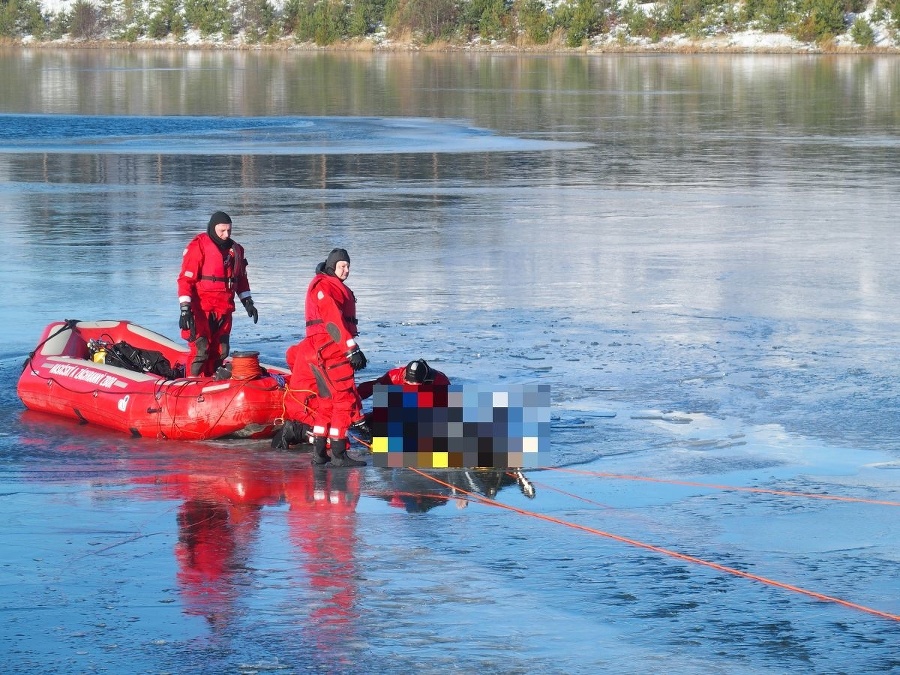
(320, 456)
(304, 433)
(290, 433)
(339, 456)
(278, 440)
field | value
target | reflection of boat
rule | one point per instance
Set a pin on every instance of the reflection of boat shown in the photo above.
(65, 376)
(420, 491)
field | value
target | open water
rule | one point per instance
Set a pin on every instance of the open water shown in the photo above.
(697, 253)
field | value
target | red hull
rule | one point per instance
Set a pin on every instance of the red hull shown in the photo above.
(59, 378)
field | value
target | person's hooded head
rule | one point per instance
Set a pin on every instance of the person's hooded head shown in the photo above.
(219, 229)
(418, 372)
(331, 262)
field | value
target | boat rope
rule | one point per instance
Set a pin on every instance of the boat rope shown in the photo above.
(668, 552)
(236, 388)
(359, 440)
(714, 486)
(288, 392)
(68, 324)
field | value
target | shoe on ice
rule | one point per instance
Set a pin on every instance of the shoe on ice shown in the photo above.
(320, 454)
(339, 456)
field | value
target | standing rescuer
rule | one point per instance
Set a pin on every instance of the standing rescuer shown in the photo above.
(324, 362)
(213, 270)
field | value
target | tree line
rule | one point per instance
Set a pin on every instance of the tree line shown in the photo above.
(572, 23)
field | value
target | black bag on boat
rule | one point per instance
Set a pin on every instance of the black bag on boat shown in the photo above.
(123, 355)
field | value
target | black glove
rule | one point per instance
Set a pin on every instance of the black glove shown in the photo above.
(251, 310)
(357, 359)
(186, 320)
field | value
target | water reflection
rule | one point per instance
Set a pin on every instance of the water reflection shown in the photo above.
(322, 525)
(528, 92)
(219, 521)
(420, 491)
(229, 500)
(220, 516)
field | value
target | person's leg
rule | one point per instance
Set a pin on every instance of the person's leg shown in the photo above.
(301, 399)
(339, 402)
(346, 404)
(324, 409)
(290, 433)
(347, 415)
(321, 414)
(199, 355)
(339, 456)
(220, 342)
(199, 345)
(320, 453)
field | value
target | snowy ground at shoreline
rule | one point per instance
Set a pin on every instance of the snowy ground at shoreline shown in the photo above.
(750, 40)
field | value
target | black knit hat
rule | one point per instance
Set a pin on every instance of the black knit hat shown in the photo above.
(418, 372)
(336, 256)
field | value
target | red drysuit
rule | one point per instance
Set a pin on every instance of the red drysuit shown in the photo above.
(397, 376)
(209, 279)
(322, 390)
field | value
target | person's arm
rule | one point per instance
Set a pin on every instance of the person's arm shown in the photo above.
(191, 262)
(333, 318)
(366, 389)
(242, 283)
(241, 280)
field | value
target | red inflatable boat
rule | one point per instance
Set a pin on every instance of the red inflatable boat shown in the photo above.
(119, 375)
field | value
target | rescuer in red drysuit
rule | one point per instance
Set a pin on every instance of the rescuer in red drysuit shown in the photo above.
(322, 390)
(414, 373)
(213, 270)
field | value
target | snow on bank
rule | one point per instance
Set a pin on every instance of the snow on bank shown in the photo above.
(618, 39)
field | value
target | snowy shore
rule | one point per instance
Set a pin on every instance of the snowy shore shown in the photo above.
(747, 42)
(884, 38)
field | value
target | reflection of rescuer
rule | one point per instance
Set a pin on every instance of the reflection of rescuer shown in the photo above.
(323, 391)
(414, 373)
(216, 526)
(205, 553)
(213, 270)
(322, 525)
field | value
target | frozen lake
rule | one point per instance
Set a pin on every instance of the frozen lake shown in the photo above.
(697, 253)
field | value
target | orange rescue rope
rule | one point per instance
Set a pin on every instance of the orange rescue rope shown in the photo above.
(673, 554)
(783, 493)
(245, 365)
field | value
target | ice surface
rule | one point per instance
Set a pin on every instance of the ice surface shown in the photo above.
(71, 134)
(712, 310)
